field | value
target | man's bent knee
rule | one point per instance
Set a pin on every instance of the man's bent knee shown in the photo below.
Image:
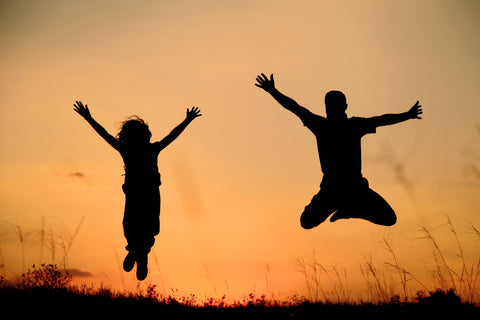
(391, 221)
(307, 223)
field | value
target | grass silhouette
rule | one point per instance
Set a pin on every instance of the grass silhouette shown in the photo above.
(46, 290)
(391, 290)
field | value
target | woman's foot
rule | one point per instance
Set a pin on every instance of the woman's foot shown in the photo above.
(129, 262)
(142, 269)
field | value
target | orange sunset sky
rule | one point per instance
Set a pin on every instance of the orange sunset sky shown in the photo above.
(237, 180)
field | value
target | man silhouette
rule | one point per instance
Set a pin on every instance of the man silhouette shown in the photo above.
(343, 190)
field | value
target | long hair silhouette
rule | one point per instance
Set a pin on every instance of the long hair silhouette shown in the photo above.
(134, 130)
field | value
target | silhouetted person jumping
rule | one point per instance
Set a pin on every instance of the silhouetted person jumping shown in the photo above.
(141, 221)
(343, 190)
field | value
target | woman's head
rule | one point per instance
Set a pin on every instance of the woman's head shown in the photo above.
(134, 130)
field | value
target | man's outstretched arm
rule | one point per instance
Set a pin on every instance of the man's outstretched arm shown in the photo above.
(388, 119)
(288, 103)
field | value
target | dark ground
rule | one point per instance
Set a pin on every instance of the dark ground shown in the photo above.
(65, 304)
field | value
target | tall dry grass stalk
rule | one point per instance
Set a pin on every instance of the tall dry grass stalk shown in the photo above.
(20, 235)
(159, 272)
(404, 276)
(462, 279)
(2, 264)
(209, 276)
(52, 237)
(393, 281)
(334, 289)
(379, 283)
(120, 267)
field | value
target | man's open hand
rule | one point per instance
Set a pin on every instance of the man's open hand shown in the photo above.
(415, 111)
(193, 113)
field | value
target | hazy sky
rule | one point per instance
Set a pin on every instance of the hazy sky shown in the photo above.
(237, 180)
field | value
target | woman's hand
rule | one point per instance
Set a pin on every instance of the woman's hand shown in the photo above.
(265, 83)
(82, 110)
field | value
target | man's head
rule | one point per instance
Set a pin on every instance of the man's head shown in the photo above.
(335, 105)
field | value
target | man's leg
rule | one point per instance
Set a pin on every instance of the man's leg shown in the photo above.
(320, 207)
(364, 203)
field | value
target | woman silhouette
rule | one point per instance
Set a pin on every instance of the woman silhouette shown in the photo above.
(141, 221)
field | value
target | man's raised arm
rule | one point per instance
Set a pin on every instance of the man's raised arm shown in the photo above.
(288, 103)
(388, 119)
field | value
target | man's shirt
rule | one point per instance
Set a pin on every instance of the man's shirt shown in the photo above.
(339, 145)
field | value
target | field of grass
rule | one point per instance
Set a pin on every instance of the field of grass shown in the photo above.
(390, 291)
(46, 291)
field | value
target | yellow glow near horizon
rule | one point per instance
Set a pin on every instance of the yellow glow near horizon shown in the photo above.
(236, 181)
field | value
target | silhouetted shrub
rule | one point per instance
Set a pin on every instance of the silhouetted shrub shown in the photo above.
(47, 276)
(440, 298)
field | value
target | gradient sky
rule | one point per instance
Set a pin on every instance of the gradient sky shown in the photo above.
(236, 181)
